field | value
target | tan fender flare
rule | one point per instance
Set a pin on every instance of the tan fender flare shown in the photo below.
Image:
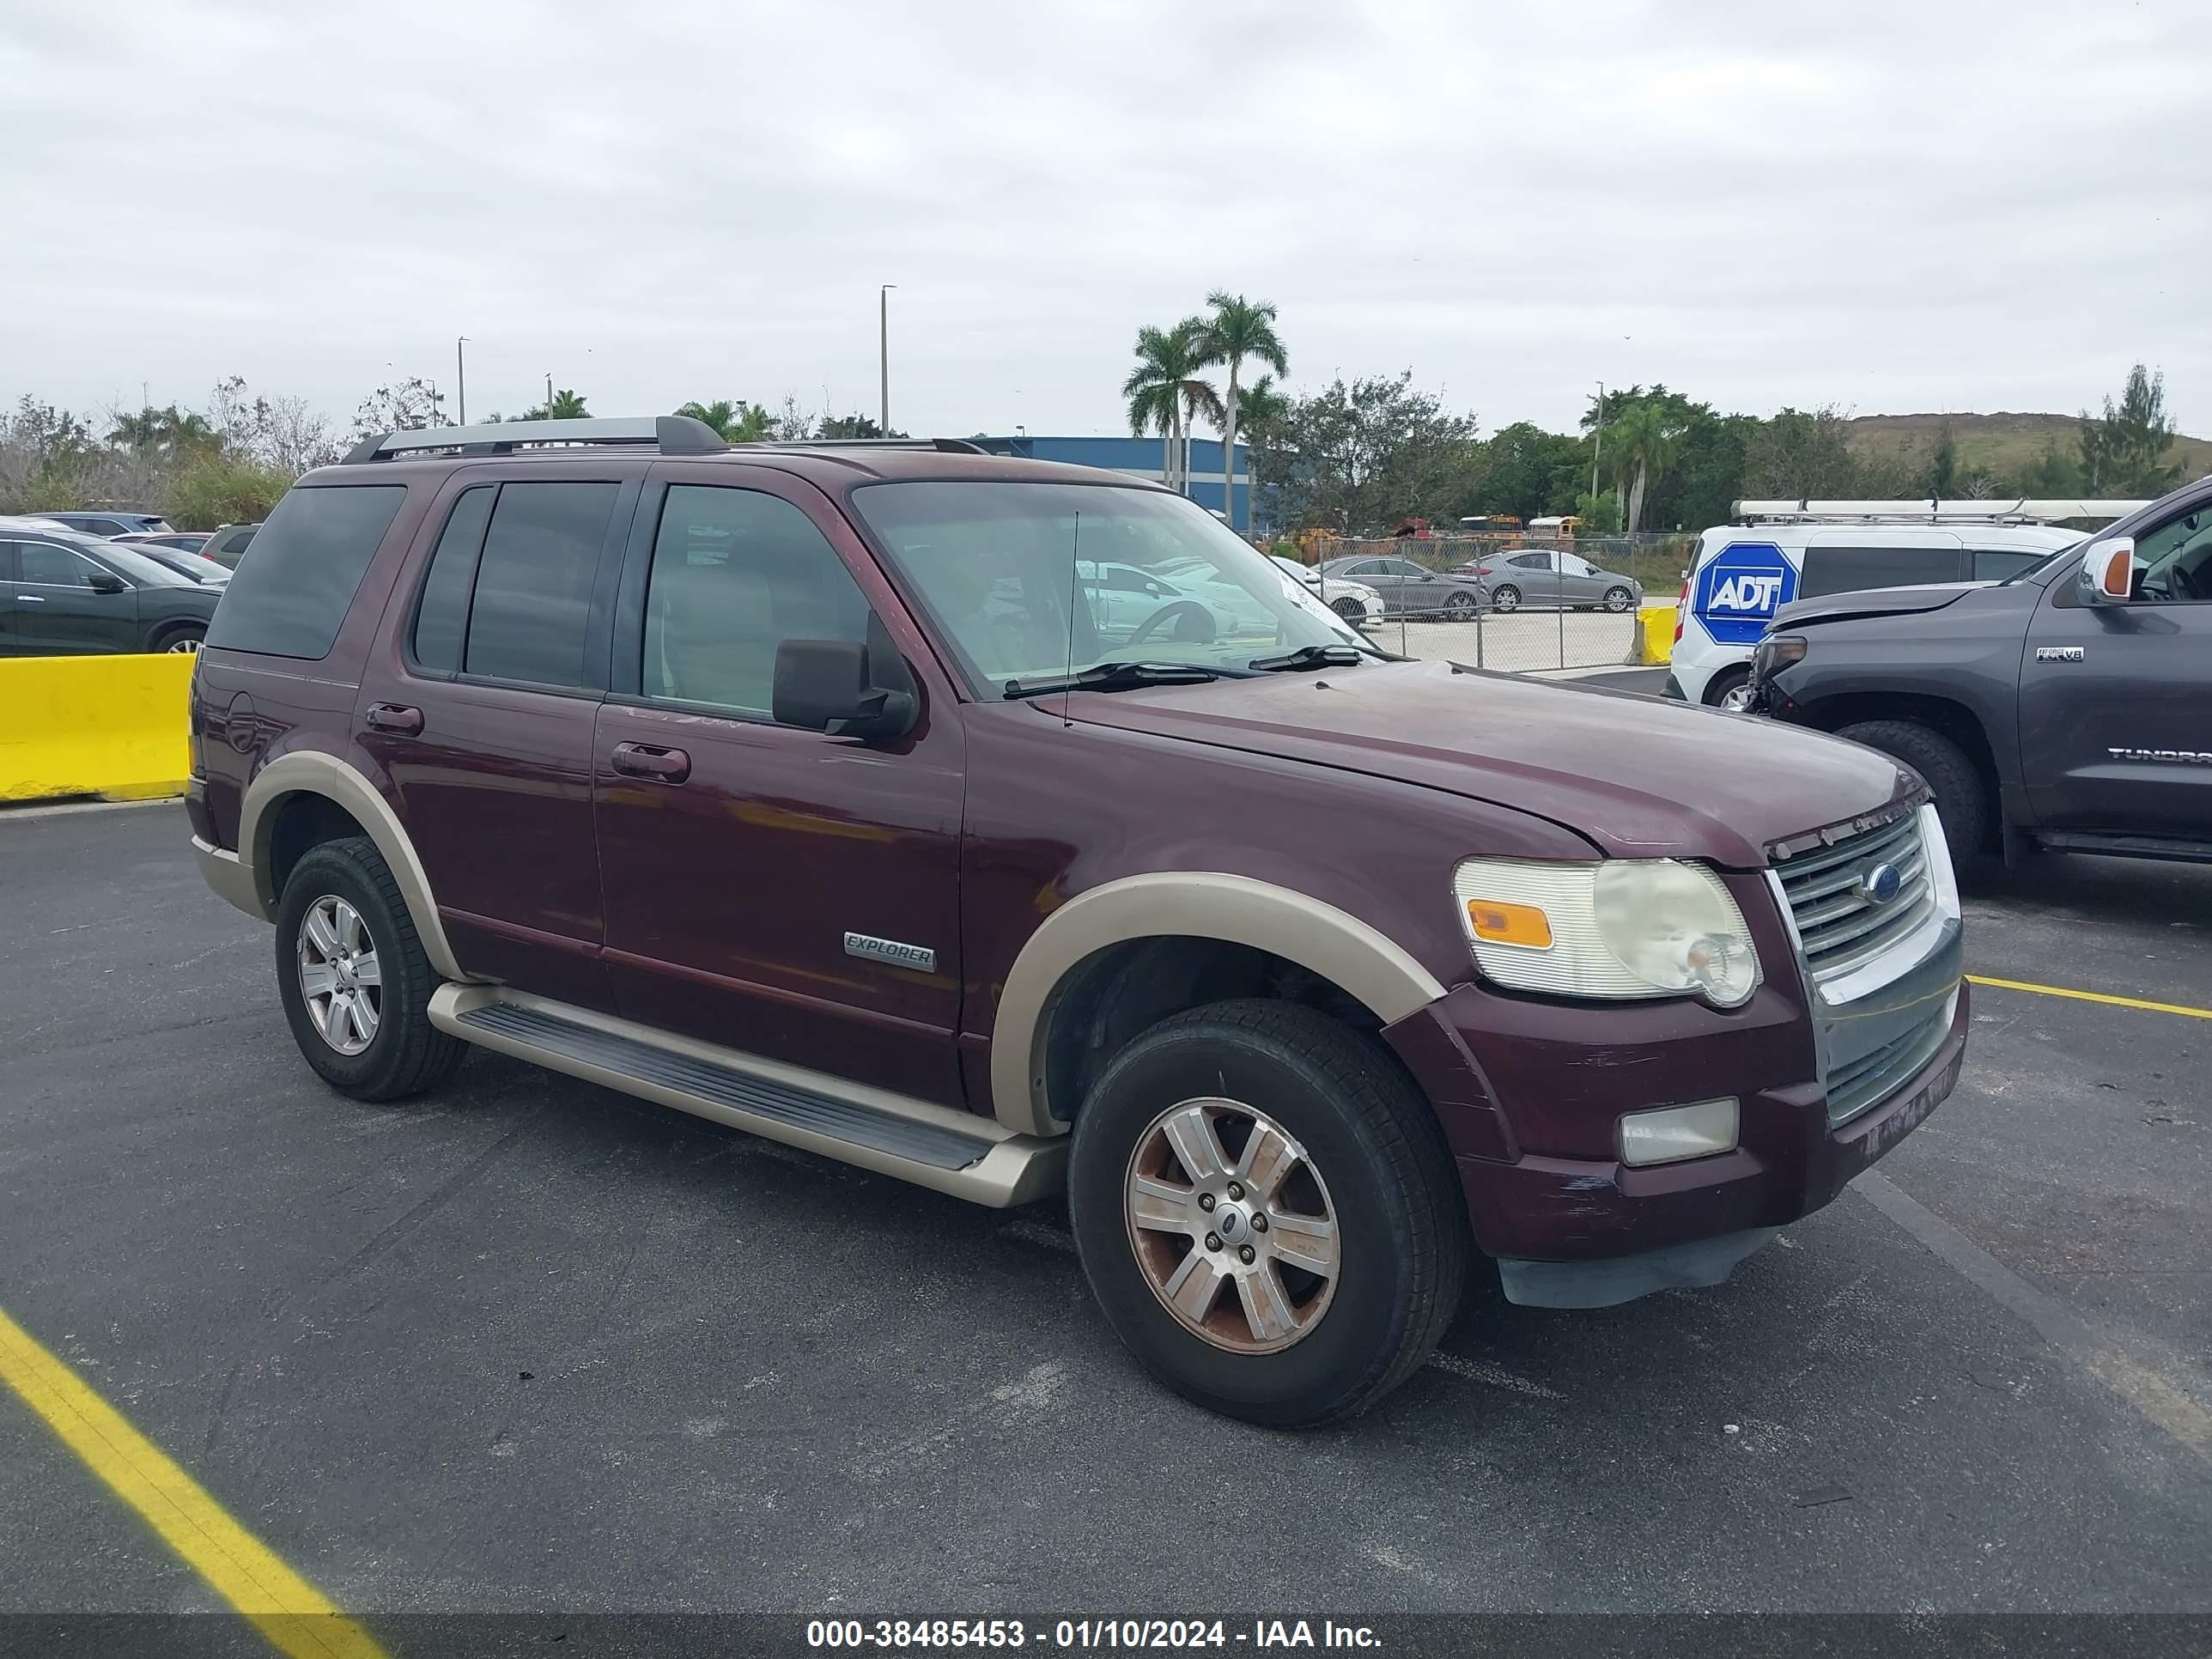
(306, 772)
(1330, 942)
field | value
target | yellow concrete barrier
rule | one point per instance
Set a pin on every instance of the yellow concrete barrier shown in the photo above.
(109, 726)
(1654, 636)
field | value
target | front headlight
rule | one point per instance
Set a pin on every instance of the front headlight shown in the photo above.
(1621, 927)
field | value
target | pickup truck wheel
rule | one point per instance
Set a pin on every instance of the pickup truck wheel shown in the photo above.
(1961, 799)
(1266, 1212)
(354, 979)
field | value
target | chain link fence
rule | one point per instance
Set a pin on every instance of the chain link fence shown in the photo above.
(1517, 621)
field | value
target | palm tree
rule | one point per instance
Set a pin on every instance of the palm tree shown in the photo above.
(738, 421)
(566, 406)
(1645, 440)
(1165, 393)
(1236, 329)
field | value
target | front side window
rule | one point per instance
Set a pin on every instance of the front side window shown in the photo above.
(996, 565)
(292, 598)
(530, 613)
(735, 574)
(2173, 562)
(41, 564)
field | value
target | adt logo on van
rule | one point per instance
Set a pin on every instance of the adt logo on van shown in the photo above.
(1742, 587)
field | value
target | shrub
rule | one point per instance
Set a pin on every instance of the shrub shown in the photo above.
(211, 492)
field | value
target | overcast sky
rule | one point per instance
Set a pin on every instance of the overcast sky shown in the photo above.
(1887, 206)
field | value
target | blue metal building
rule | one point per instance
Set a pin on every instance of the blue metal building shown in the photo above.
(1144, 457)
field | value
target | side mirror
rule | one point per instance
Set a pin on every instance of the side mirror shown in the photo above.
(107, 582)
(825, 685)
(2108, 572)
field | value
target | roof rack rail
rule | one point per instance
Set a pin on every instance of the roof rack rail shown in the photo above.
(942, 446)
(1932, 511)
(671, 435)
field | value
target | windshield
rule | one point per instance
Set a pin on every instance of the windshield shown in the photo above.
(126, 560)
(1157, 579)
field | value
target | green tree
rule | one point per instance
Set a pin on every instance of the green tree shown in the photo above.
(1800, 453)
(2050, 476)
(2124, 452)
(735, 420)
(1364, 456)
(851, 426)
(1235, 329)
(1163, 393)
(211, 490)
(1943, 465)
(1523, 470)
(1642, 443)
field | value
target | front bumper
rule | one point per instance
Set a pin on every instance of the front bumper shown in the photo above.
(1529, 1096)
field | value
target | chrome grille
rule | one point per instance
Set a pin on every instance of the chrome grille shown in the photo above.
(1838, 924)
(1859, 1084)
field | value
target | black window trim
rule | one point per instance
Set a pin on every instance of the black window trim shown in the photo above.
(598, 619)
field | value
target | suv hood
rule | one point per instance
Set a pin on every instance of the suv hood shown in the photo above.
(1640, 777)
(1873, 602)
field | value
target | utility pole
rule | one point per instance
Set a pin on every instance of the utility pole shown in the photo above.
(884, 351)
(1597, 449)
(461, 375)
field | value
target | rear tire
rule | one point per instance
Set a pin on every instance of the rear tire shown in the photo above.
(1961, 798)
(1505, 598)
(349, 881)
(1356, 1145)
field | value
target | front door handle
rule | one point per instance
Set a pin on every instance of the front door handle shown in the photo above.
(395, 717)
(646, 760)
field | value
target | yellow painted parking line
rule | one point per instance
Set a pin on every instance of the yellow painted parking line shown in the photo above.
(2093, 996)
(296, 1616)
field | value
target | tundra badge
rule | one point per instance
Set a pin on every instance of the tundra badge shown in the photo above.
(919, 957)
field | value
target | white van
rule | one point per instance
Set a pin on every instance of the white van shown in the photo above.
(1742, 572)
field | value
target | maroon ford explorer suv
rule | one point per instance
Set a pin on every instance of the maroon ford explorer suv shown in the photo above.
(1015, 829)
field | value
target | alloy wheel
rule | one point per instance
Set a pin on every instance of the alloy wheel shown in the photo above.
(188, 644)
(340, 979)
(1618, 598)
(1231, 1226)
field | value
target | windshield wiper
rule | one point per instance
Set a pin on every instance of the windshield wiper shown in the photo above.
(1116, 677)
(1310, 656)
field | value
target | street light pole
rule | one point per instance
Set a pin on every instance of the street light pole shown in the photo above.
(461, 374)
(884, 351)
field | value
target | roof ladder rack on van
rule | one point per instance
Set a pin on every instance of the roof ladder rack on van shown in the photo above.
(2022, 510)
(671, 435)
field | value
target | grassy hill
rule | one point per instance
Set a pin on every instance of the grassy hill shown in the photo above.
(2002, 442)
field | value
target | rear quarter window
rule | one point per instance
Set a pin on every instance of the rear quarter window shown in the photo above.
(291, 597)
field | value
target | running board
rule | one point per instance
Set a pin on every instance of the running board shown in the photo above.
(936, 1147)
(2129, 846)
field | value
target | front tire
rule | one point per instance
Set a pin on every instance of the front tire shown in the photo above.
(354, 979)
(1459, 605)
(1962, 800)
(1266, 1130)
(1618, 598)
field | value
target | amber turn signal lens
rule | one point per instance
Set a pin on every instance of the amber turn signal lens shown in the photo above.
(1509, 924)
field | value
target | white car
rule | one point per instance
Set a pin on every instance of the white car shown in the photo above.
(1356, 603)
(1742, 574)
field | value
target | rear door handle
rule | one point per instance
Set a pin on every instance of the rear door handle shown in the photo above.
(396, 717)
(30, 599)
(645, 760)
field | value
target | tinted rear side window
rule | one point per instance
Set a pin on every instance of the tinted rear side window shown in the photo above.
(1995, 564)
(533, 607)
(307, 562)
(1847, 569)
(442, 616)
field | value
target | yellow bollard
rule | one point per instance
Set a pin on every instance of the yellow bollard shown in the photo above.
(113, 727)
(1654, 636)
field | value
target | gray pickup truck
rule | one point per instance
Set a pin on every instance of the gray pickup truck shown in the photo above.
(2068, 708)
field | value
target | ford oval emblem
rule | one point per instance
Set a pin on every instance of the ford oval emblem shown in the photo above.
(1881, 882)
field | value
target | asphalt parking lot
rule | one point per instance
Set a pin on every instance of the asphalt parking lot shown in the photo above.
(530, 1344)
